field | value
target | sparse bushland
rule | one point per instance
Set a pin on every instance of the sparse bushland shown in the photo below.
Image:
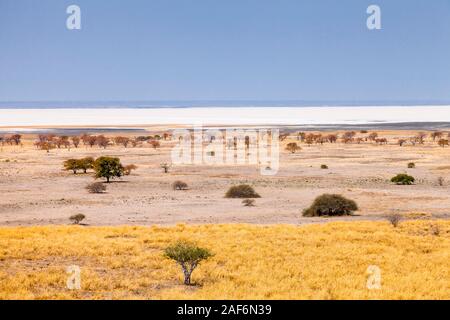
(242, 191)
(330, 205)
(188, 255)
(394, 219)
(108, 168)
(248, 202)
(179, 185)
(403, 179)
(129, 168)
(292, 147)
(96, 187)
(77, 218)
(411, 165)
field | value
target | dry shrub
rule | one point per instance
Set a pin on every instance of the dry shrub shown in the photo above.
(127, 169)
(411, 165)
(323, 166)
(248, 202)
(242, 191)
(179, 185)
(440, 181)
(96, 187)
(394, 219)
(77, 218)
(330, 205)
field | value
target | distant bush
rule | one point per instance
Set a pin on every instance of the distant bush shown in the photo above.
(179, 185)
(188, 256)
(411, 165)
(77, 218)
(323, 166)
(242, 191)
(293, 147)
(394, 219)
(330, 205)
(403, 179)
(85, 163)
(248, 202)
(440, 181)
(96, 187)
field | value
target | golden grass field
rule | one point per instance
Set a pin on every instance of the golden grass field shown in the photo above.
(321, 261)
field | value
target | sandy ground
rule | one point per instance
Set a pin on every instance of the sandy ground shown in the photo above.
(36, 191)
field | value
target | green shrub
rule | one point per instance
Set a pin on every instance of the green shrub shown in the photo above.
(330, 205)
(188, 255)
(403, 179)
(242, 191)
(108, 167)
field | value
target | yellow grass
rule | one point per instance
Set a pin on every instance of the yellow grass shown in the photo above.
(327, 261)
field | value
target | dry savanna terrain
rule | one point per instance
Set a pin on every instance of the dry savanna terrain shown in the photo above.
(266, 250)
(36, 190)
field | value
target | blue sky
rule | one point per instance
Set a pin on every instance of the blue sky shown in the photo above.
(225, 50)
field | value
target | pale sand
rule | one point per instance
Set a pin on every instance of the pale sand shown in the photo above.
(36, 191)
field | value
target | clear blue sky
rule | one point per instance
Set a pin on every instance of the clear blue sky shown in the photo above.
(224, 50)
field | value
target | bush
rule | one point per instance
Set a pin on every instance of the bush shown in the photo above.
(242, 191)
(411, 165)
(85, 164)
(108, 167)
(77, 218)
(248, 202)
(71, 165)
(96, 187)
(188, 256)
(403, 179)
(293, 147)
(179, 185)
(394, 219)
(323, 166)
(330, 205)
(440, 181)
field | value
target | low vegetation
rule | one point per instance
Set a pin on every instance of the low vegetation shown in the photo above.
(77, 218)
(394, 219)
(411, 165)
(403, 179)
(242, 191)
(96, 187)
(323, 166)
(179, 185)
(330, 205)
(248, 202)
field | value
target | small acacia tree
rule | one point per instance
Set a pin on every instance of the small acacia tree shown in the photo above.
(85, 163)
(108, 168)
(71, 165)
(293, 147)
(188, 255)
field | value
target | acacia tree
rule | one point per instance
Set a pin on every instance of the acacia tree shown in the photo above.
(76, 141)
(108, 168)
(188, 256)
(292, 147)
(71, 165)
(85, 164)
